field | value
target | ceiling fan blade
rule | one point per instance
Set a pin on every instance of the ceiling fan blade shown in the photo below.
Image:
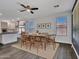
(32, 12)
(23, 5)
(22, 10)
(34, 8)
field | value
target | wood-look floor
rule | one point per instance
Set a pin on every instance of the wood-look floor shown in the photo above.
(65, 52)
(9, 52)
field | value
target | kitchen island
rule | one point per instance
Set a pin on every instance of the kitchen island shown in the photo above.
(8, 37)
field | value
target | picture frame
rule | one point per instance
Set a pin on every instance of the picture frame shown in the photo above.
(43, 25)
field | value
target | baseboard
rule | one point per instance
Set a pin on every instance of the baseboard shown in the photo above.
(64, 43)
(75, 51)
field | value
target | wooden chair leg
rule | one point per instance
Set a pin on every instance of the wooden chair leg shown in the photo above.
(26, 44)
(54, 45)
(31, 44)
(21, 44)
(45, 46)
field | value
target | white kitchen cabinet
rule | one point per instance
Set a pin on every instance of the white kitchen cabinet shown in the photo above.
(10, 37)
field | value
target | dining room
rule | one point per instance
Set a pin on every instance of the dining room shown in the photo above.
(36, 29)
(42, 36)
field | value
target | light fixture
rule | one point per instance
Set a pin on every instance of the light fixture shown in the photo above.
(28, 10)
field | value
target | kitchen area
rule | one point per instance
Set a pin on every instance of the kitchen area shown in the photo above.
(8, 32)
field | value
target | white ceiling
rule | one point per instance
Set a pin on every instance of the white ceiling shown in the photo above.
(9, 8)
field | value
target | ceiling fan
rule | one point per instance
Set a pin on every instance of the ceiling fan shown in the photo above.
(27, 8)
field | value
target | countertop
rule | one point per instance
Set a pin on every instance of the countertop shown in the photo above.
(8, 33)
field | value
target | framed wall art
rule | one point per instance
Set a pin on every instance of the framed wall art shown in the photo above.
(44, 25)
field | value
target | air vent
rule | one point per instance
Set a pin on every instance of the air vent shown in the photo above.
(56, 6)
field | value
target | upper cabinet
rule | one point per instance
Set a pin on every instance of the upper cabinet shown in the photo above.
(4, 25)
(7, 26)
(11, 25)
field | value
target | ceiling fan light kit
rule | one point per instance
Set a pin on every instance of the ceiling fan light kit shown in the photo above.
(28, 10)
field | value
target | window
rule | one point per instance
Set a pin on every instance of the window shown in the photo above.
(61, 25)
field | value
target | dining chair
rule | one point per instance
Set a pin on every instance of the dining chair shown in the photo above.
(32, 38)
(38, 43)
(51, 41)
(44, 42)
(23, 39)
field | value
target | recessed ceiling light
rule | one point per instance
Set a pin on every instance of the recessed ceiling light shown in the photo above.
(56, 6)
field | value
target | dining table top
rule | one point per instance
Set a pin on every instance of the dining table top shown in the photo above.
(40, 35)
